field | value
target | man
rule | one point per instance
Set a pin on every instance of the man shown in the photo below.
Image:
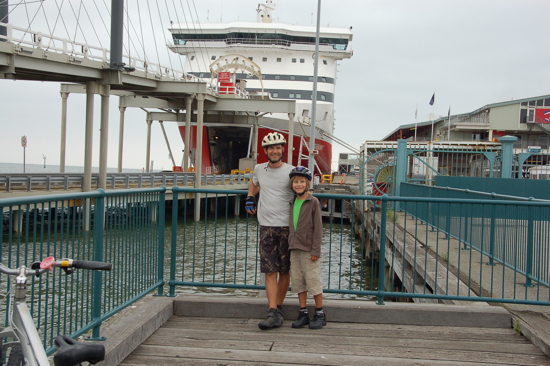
(272, 178)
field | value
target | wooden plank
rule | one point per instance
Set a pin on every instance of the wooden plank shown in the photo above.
(263, 340)
(358, 330)
(176, 356)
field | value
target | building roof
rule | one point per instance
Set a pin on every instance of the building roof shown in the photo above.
(442, 118)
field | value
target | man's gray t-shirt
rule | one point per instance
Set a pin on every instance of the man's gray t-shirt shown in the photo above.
(275, 193)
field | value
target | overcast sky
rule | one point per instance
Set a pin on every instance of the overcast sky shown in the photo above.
(471, 53)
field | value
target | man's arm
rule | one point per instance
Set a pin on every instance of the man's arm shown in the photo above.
(252, 192)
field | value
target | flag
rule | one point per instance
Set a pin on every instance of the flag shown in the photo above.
(432, 100)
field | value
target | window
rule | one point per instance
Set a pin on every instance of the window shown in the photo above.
(323, 97)
(278, 59)
(293, 60)
(325, 62)
(323, 79)
(291, 95)
(305, 113)
(302, 60)
(275, 95)
(251, 58)
(192, 57)
(292, 77)
(264, 59)
(298, 95)
(311, 78)
(213, 57)
(540, 102)
(277, 77)
(547, 102)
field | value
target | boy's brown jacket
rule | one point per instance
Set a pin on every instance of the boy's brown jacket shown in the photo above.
(309, 232)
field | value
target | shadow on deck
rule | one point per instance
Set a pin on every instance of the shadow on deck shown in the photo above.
(215, 330)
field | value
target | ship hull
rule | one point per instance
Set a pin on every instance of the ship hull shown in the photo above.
(221, 153)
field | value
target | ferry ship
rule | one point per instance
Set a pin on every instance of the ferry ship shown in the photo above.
(284, 57)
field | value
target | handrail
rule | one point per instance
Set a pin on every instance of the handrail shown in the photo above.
(67, 181)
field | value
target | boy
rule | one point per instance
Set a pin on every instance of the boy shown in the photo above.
(304, 242)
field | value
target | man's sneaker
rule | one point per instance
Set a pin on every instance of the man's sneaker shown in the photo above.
(303, 319)
(318, 322)
(273, 320)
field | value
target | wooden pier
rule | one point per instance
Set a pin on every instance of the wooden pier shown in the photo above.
(217, 330)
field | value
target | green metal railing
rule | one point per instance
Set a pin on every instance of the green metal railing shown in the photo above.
(122, 227)
(428, 249)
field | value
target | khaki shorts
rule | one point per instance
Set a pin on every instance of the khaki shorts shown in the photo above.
(305, 274)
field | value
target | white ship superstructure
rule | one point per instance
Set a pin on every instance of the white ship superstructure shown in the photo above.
(285, 54)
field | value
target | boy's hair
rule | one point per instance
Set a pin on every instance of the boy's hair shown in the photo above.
(297, 176)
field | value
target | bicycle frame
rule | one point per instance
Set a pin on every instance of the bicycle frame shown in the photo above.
(22, 326)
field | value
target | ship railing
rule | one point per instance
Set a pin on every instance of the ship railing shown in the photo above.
(261, 42)
(27, 41)
(61, 181)
(374, 248)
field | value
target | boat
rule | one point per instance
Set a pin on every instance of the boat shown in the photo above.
(280, 59)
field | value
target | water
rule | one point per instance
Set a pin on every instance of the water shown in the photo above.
(14, 168)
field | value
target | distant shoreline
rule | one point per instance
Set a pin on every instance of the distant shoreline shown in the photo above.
(17, 168)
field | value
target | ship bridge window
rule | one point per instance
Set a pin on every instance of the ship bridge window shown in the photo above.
(213, 57)
(278, 59)
(324, 80)
(264, 59)
(298, 95)
(292, 77)
(251, 58)
(277, 77)
(341, 47)
(275, 95)
(293, 60)
(302, 60)
(291, 95)
(310, 78)
(323, 97)
(325, 62)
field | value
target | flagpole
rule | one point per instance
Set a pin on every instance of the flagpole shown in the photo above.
(415, 121)
(449, 126)
(432, 102)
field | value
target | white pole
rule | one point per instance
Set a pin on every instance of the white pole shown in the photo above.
(415, 121)
(449, 126)
(314, 96)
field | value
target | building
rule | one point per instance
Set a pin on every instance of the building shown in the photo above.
(527, 119)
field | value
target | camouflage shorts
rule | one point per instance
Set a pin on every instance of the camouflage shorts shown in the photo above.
(274, 253)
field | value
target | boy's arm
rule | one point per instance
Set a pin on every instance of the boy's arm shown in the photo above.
(317, 230)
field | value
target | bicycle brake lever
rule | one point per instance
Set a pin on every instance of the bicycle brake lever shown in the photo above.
(68, 271)
(35, 266)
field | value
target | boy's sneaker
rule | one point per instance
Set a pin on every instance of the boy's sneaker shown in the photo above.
(303, 319)
(273, 320)
(318, 322)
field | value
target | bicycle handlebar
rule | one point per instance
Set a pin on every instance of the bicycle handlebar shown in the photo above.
(63, 263)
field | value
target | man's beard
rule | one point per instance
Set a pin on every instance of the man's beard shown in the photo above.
(274, 161)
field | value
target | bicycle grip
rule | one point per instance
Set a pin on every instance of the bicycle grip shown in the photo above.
(96, 266)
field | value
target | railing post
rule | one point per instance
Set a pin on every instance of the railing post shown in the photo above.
(382, 259)
(401, 168)
(529, 259)
(99, 220)
(173, 241)
(507, 143)
(161, 207)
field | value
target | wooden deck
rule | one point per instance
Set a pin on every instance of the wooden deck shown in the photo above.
(218, 341)
(194, 340)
